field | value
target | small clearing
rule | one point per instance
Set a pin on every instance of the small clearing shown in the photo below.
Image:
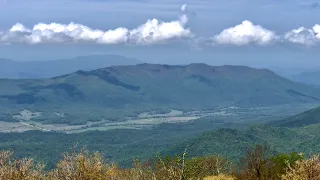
(26, 115)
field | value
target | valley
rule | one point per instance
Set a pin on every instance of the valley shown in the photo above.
(137, 111)
(148, 120)
(159, 90)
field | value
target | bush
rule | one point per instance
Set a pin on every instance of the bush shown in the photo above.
(86, 166)
(256, 165)
(205, 166)
(82, 166)
(308, 169)
(181, 167)
(24, 169)
(282, 162)
(220, 177)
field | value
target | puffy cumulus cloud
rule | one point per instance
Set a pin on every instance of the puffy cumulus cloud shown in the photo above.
(61, 33)
(244, 34)
(153, 31)
(304, 36)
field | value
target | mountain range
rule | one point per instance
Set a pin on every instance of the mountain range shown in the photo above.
(311, 78)
(121, 91)
(118, 92)
(45, 69)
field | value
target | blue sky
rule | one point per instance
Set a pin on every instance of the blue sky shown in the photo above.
(206, 20)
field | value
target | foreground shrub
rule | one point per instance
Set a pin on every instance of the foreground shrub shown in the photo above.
(256, 165)
(190, 168)
(220, 177)
(282, 162)
(82, 166)
(205, 166)
(308, 169)
(24, 169)
(139, 171)
(86, 166)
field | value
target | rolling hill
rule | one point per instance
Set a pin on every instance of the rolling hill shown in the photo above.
(233, 143)
(122, 146)
(304, 119)
(121, 91)
(46, 69)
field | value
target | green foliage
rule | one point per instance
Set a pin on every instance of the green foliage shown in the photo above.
(233, 143)
(117, 145)
(283, 161)
(7, 117)
(121, 146)
(309, 117)
(206, 166)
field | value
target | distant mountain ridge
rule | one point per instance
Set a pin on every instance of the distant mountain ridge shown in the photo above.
(312, 78)
(120, 91)
(47, 69)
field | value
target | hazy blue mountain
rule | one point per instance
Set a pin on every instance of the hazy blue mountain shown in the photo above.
(312, 78)
(45, 69)
(120, 91)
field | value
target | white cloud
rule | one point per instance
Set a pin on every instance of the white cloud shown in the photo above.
(183, 8)
(153, 31)
(304, 36)
(244, 34)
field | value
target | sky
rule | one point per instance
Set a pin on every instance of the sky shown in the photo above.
(262, 33)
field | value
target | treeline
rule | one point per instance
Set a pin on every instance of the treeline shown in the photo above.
(255, 165)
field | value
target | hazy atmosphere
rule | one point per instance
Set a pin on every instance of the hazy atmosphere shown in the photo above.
(274, 34)
(159, 89)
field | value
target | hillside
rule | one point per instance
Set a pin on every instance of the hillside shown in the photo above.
(121, 91)
(118, 145)
(121, 146)
(233, 143)
(46, 69)
(304, 119)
